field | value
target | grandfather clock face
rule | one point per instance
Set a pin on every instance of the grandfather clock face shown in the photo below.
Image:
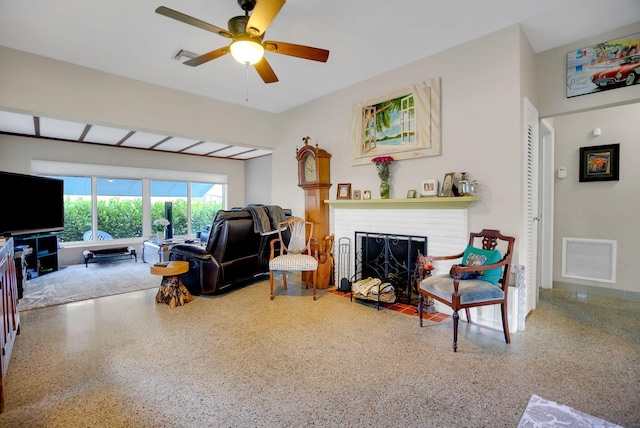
(310, 173)
(313, 167)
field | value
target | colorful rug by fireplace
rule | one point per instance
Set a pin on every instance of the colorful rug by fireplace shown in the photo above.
(77, 282)
(541, 413)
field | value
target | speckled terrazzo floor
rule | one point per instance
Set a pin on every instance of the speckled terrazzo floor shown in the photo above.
(241, 360)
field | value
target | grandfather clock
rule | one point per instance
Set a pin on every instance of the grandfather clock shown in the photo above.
(314, 178)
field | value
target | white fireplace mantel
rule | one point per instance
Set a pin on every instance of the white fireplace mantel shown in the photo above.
(444, 221)
(455, 202)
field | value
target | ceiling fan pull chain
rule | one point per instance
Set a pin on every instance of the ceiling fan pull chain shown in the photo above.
(247, 98)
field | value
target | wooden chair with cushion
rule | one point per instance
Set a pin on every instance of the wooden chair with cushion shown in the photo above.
(481, 279)
(296, 255)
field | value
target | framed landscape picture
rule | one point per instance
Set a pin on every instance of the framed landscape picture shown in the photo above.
(600, 163)
(404, 124)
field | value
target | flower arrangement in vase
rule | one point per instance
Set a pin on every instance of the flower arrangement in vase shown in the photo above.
(160, 228)
(382, 165)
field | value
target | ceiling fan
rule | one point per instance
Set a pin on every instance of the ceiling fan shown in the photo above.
(247, 32)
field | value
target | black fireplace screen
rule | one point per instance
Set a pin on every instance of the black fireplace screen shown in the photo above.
(390, 257)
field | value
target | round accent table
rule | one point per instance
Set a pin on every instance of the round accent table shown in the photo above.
(172, 291)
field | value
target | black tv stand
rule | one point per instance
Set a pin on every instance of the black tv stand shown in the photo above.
(42, 258)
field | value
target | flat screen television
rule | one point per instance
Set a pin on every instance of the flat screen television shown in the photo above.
(30, 204)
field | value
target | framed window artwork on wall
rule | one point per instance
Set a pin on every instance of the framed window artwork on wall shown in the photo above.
(404, 124)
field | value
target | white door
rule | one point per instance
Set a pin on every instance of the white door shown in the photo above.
(532, 154)
(547, 175)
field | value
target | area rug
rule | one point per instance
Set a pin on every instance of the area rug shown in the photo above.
(541, 413)
(77, 282)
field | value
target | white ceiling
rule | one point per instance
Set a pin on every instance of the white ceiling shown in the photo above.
(365, 38)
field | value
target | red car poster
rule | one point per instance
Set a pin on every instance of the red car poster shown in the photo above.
(612, 64)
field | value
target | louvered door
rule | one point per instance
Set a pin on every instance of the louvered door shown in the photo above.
(532, 150)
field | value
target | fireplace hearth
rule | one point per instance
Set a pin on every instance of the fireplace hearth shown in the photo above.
(443, 220)
(391, 258)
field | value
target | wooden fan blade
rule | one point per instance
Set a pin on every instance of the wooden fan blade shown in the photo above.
(265, 71)
(179, 16)
(263, 14)
(305, 52)
(207, 57)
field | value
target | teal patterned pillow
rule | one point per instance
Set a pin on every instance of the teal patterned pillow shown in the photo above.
(478, 257)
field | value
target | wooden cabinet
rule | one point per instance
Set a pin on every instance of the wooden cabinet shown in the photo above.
(8, 309)
(42, 255)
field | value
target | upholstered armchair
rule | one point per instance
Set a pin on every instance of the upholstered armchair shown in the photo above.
(481, 279)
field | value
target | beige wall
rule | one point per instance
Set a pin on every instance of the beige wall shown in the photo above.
(528, 80)
(481, 131)
(257, 174)
(600, 210)
(41, 86)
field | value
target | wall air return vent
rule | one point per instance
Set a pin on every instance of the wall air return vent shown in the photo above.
(591, 259)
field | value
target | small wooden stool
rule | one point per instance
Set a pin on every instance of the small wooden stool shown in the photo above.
(172, 291)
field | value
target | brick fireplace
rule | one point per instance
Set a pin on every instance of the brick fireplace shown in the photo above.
(443, 220)
(445, 227)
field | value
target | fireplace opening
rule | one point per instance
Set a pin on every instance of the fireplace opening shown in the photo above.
(391, 258)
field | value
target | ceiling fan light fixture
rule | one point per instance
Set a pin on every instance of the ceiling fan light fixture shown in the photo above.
(247, 32)
(247, 52)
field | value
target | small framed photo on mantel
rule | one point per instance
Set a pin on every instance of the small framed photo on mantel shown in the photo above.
(448, 185)
(344, 191)
(429, 188)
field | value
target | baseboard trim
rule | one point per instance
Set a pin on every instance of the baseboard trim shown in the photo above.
(586, 290)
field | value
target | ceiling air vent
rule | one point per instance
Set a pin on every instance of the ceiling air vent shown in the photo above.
(182, 54)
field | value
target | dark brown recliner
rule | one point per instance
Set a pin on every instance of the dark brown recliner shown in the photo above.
(235, 253)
